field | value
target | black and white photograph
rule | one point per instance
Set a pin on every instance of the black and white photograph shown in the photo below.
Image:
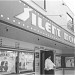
(37, 37)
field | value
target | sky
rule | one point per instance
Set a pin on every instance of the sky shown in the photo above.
(71, 5)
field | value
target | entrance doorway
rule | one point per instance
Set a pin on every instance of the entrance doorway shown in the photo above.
(43, 57)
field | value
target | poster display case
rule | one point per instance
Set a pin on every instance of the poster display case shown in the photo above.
(58, 61)
(7, 62)
(66, 61)
(69, 62)
(26, 62)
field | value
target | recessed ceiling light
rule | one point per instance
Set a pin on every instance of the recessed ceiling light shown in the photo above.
(18, 22)
(1, 15)
(27, 26)
(8, 18)
(13, 20)
(23, 24)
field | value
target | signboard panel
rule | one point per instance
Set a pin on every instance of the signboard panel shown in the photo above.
(24, 16)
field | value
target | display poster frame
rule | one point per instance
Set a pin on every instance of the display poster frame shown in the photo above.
(70, 62)
(7, 57)
(58, 61)
(27, 71)
(65, 58)
(17, 69)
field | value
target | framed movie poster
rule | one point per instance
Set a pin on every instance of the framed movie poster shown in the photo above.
(7, 62)
(58, 61)
(69, 62)
(26, 62)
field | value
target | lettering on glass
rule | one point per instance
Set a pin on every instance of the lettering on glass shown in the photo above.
(33, 19)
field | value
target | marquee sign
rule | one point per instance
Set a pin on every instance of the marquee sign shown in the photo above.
(26, 17)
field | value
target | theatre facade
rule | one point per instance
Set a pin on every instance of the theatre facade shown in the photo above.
(28, 37)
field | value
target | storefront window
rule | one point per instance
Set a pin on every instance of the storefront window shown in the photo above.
(26, 62)
(7, 62)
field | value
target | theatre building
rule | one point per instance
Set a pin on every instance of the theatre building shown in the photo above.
(30, 32)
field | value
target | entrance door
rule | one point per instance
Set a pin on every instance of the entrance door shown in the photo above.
(44, 56)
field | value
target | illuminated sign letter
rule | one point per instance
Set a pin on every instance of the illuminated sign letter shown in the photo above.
(24, 15)
(66, 37)
(40, 23)
(59, 32)
(48, 27)
(33, 19)
(70, 38)
(53, 30)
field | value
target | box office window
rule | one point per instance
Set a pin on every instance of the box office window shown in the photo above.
(7, 62)
(26, 62)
